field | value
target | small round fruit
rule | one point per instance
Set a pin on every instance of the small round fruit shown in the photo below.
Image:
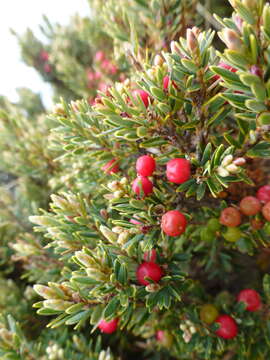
(149, 270)
(164, 338)
(266, 211)
(227, 327)
(110, 168)
(143, 95)
(145, 165)
(213, 224)
(230, 217)
(150, 256)
(206, 234)
(178, 170)
(232, 234)
(263, 194)
(251, 299)
(208, 313)
(142, 186)
(250, 205)
(173, 223)
(108, 327)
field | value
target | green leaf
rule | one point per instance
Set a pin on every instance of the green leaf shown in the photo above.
(249, 79)
(255, 105)
(259, 91)
(157, 93)
(188, 64)
(237, 58)
(185, 185)
(207, 153)
(111, 308)
(81, 316)
(245, 13)
(266, 286)
(226, 74)
(262, 149)
(264, 118)
(200, 191)
(157, 141)
(232, 141)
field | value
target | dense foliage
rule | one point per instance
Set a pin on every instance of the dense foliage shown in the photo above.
(141, 211)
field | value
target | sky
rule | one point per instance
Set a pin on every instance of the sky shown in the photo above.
(18, 15)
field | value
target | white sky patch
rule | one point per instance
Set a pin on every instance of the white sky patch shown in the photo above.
(18, 15)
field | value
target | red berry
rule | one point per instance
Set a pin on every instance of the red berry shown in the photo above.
(230, 217)
(173, 223)
(142, 186)
(251, 299)
(266, 211)
(143, 95)
(178, 170)
(166, 81)
(250, 205)
(145, 165)
(227, 327)
(263, 194)
(108, 327)
(110, 168)
(149, 270)
(150, 256)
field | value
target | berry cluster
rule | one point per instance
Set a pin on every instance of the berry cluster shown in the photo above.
(44, 59)
(231, 217)
(177, 171)
(228, 328)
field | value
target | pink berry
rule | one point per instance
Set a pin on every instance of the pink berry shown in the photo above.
(108, 327)
(266, 211)
(251, 299)
(230, 217)
(173, 223)
(149, 270)
(143, 95)
(250, 205)
(227, 327)
(44, 55)
(159, 335)
(145, 165)
(99, 56)
(150, 256)
(142, 186)
(47, 68)
(178, 170)
(110, 168)
(263, 194)
(105, 64)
